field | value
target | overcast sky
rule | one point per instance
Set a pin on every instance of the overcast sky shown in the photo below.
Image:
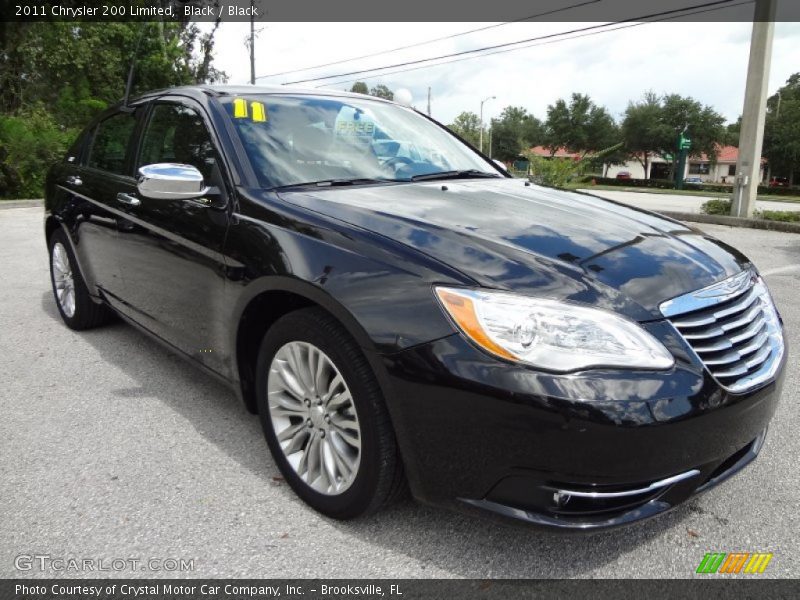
(705, 60)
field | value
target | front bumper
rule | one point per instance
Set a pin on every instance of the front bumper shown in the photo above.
(476, 431)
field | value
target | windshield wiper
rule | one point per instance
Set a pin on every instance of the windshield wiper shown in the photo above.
(467, 173)
(335, 182)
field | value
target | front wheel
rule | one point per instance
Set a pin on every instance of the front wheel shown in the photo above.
(324, 417)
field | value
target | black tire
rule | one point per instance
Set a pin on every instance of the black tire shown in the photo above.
(379, 479)
(88, 313)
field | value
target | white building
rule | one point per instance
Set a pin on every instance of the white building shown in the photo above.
(723, 170)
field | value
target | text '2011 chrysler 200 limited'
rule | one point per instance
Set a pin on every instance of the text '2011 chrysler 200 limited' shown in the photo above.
(401, 313)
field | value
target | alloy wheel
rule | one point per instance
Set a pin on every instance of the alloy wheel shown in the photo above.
(63, 279)
(314, 417)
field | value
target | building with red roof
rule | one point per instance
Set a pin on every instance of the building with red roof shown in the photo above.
(720, 170)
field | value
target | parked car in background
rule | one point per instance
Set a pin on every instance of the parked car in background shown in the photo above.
(779, 182)
(624, 175)
(425, 321)
(693, 180)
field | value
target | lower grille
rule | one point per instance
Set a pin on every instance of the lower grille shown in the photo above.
(733, 328)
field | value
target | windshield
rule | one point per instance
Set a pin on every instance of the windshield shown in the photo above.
(296, 140)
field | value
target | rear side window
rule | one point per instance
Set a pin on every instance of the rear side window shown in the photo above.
(177, 134)
(111, 143)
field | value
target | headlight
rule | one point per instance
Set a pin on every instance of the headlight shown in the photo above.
(551, 335)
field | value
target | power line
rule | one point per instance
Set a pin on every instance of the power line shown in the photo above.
(507, 44)
(531, 45)
(447, 37)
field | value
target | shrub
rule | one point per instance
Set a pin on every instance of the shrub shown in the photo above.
(29, 143)
(787, 216)
(717, 206)
(717, 187)
(645, 183)
(778, 191)
(557, 172)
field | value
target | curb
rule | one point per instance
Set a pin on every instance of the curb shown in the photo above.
(733, 221)
(21, 203)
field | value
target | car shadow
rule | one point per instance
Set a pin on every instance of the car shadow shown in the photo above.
(457, 543)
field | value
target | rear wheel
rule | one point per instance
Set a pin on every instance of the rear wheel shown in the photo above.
(74, 303)
(324, 417)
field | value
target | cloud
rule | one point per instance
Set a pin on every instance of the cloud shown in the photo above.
(705, 60)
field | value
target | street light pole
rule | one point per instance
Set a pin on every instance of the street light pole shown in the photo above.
(480, 143)
(751, 135)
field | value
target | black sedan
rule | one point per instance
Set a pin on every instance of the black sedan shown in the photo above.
(418, 322)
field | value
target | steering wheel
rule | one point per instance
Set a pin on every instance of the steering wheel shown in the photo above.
(398, 160)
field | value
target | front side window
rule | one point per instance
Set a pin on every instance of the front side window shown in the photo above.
(177, 134)
(111, 143)
(292, 140)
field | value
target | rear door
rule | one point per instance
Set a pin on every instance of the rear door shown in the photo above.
(96, 178)
(171, 257)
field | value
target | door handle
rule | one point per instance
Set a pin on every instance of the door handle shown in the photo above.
(128, 199)
(74, 180)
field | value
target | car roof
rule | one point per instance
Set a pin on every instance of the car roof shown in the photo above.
(246, 90)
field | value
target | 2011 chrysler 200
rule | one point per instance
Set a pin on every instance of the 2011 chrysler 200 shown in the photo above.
(399, 311)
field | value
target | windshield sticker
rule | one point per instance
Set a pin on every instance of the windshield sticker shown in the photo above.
(240, 108)
(359, 128)
(356, 129)
(259, 112)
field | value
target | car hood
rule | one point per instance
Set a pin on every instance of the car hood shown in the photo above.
(539, 241)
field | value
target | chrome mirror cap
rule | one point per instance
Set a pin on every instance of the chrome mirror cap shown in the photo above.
(171, 181)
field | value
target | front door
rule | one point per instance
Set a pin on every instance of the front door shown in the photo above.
(171, 257)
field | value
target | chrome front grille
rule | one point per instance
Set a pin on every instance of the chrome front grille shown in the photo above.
(733, 328)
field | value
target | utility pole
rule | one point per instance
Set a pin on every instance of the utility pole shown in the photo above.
(751, 135)
(480, 135)
(429, 101)
(252, 44)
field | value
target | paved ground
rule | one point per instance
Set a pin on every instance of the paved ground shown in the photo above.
(678, 202)
(110, 447)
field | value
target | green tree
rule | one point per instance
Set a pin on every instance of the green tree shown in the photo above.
(468, 126)
(513, 132)
(732, 131)
(381, 91)
(782, 130)
(640, 126)
(83, 68)
(580, 126)
(704, 126)
(359, 87)
(533, 131)
(653, 126)
(56, 76)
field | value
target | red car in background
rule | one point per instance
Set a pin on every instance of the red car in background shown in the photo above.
(779, 182)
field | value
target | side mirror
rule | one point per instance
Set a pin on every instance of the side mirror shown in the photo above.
(171, 181)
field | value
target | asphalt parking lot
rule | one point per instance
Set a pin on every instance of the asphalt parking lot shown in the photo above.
(111, 447)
